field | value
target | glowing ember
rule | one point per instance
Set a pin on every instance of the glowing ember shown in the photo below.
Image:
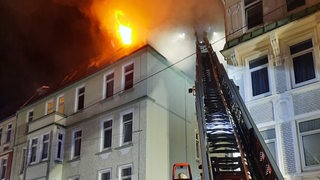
(125, 34)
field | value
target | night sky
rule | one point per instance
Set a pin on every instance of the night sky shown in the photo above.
(41, 41)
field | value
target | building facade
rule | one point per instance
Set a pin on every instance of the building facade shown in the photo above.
(7, 131)
(132, 119)
(272, 51)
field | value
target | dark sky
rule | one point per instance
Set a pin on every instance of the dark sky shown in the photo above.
(40, 41)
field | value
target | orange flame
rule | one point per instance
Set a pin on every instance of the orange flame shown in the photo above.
(125, 32)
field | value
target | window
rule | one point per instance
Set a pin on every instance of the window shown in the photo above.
(33, 149)
(127, 128)
(9, 130)
(269, 137)
(128, 76)
(23, 160)
(107, 134)
(60, 104)
(259, 75)
(77, 135)
(49, 107)
(80, 98)
(125, 172)
(30, 116)
(293, 4)
(303, 63)
(3, 168)
(105, 174)
(109, 85)
(197, 144)
(60, 142)
(309, 135)
(254, 13)
(45, 147)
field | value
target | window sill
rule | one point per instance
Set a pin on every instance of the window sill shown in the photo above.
(104, 151)
(58, 161)
(124, 146)
(37, 163)
(74, 160)
(126, 91)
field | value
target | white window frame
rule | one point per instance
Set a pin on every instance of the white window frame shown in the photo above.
(62, 146)
(73, 140)
(108, 170)
(51, 110)
(2, 165)
(58, 104)
(120, 168)
(9, 131)
(125, 73)
(102, 133)
(249, 93)
(105, 82)
(300, 135)
(122, 126)
(28, 115)
(42, 146)
(274, 140)
(77, 98)
(313, 50)
(30, 162)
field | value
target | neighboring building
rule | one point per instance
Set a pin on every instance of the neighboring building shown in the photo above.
(131, 119)
(272, 50)
(7, 130)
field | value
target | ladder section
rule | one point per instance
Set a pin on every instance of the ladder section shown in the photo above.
(231, 145)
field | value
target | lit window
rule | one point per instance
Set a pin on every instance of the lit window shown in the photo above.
(107, 134)
(109, 84)
(77, 135)
(303, 63)
(29, 116)
(269, 137)
(254, 13)
(49, 107)
(60, 142)
(125, 172)
(60, 104)
(128, 76)
(33, 149)
(259, 75)
(293, 4)
(9, 130)
(45, 147)
(127, 128)
(3, 168)
(309, 135)
(105, 174)
(80, 98)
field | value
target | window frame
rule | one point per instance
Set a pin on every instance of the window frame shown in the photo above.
(249, 93)
(73, 140)
(301, 53)
(105, 84)
(124, 74)
(271, 140)
(122, 135)
(9, 131)
(301, 147)
(122, 167)
(77, 97)
(251, 5)
(6, 168)
(62, 146)
(59, 104)
(103, 129)
(28, 115)
(108, 170)
(42, 146)
(36, 146)
(51, 110)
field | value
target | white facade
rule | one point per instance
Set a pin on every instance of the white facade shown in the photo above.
(276, 65)
(146, 125)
